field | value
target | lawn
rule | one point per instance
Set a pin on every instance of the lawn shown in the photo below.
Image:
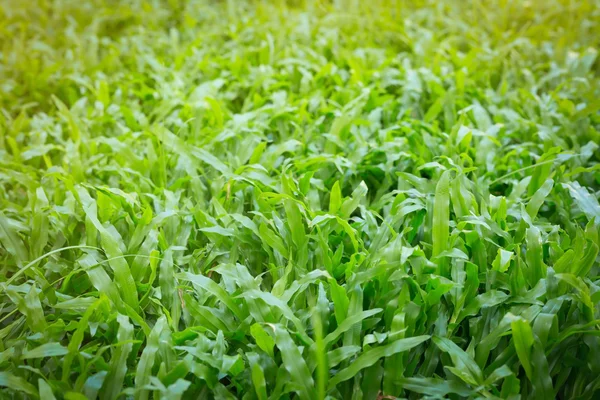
(309, 199)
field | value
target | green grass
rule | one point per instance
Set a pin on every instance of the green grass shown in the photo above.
(303, 200)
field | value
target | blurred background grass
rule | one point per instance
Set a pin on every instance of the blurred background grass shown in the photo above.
(47, 45)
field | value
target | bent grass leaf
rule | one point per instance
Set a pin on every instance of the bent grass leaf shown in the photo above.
(113, 383)
(461, 360)
(213, 288)
(586, 202)
(294, 363)
(17, 383)
(11, 241)
(46, 350)
(371, 356)
(44, 390)
(263, 340)
(146, 362)
(441, 214)
(435, 387)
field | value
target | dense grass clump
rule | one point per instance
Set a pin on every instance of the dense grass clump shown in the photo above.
(299, 200)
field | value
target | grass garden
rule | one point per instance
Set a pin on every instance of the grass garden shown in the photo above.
(311, 199)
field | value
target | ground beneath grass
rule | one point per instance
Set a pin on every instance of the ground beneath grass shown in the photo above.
(303, 200)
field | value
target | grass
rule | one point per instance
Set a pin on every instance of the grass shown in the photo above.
(302, 200)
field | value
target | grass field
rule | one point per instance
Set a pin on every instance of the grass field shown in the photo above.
(299, 200)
